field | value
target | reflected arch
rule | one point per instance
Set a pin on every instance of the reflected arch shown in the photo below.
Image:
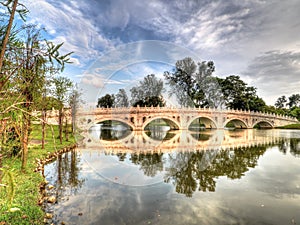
(263, 124)
(237, 123)
(204, 122)
(125, 122)
(174, 125)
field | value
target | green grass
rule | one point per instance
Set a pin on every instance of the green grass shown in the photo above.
(291, 126)
(27, 183)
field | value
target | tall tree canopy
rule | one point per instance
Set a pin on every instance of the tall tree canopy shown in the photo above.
(238, 95)
(121, 99)
(148, 92)
(107, 101)
(193, 84)
(294, 100)
(61, 87)
(281, 102)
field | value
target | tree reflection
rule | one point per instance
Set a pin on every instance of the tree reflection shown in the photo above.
(191, 171)
(230, 163)
(149, 163)
(295, 147)
(113, 134)
(67, 174)
(282, 146)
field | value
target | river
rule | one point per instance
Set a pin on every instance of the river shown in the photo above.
(179, 177)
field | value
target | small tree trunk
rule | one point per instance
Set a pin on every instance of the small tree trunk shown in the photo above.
(25, 134)
(44, 115)
(60, 121)
(5, 41)
(73, 120)
(66, 129)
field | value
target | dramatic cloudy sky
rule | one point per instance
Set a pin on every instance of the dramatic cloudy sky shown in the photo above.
(256, 39)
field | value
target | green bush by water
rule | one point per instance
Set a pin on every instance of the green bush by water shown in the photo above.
(291, 126)
(19, 192)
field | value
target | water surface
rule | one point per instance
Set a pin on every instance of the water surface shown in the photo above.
(176, 177)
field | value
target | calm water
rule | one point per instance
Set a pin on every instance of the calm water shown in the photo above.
(163, 177)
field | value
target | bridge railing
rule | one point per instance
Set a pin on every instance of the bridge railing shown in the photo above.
(180, 109)
(193, 109)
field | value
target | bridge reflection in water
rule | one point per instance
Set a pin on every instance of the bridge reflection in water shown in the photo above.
(165, 141)
(189, 160)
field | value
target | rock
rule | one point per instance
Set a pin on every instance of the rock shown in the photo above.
(51, 199)
(48, 216)
(50, 187)
(40, 202)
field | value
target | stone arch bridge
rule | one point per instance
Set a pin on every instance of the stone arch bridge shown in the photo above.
(137, 118)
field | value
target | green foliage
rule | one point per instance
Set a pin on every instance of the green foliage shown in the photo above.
(107, 101)
(8, 185)
(150, 101)
(294, 106)
(294, 100)
(291, 126)
(148, 92)
(121, 99)
(48, 103)
(281, 101)
(194, 85)
(295, 112)
(21, 9)
(238, 95)
(61, 87)
(26, 184)
(54, 54)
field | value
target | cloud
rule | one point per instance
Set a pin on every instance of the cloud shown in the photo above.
(275, 73)
(231, 33)
(93, 80)
(69, 25)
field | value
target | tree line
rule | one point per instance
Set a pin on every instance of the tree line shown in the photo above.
(29, 80)
(194, 85)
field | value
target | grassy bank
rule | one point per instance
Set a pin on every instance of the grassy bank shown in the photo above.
(291, 126)
(19, 202)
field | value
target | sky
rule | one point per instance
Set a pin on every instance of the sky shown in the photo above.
(116, 42)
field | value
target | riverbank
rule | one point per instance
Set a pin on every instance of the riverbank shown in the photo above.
(19, 201)
(291, 126)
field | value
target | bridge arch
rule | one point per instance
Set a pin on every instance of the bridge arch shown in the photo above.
(126, 122)
(207, 122)
(174, 125)
(238, 123)
(263, 124)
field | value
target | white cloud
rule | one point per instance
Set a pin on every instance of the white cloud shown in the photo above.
(231, 33)
(71, 27)
(275, 73)
(93, 80)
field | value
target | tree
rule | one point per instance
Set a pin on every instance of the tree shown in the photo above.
(281, 101)
(26, 59)
(294, 100)
(106, 101)
(74, 102)
(150, 101)
(148, 92)
(121, 99)
(194, 85)
(62, 85)
(238, 95)
(295, 112)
